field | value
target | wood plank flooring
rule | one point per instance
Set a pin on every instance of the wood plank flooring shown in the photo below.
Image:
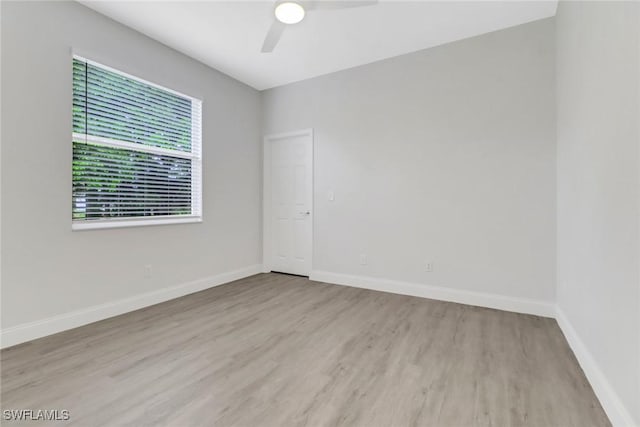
(277, 350)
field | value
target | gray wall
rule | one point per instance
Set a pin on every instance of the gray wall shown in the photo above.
(46, 268)
(598, 186)
(444, 155)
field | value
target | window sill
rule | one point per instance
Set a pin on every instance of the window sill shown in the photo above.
(120, 223)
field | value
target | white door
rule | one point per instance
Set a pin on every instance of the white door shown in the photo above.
(289, 202)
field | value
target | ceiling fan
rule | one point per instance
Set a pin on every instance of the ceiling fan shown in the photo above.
(289, 12)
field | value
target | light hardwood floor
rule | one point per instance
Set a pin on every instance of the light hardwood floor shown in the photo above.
(277, 350)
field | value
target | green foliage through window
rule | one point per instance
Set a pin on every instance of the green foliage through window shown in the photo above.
(112, 115)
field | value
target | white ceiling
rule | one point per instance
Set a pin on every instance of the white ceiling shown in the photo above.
(228, 35)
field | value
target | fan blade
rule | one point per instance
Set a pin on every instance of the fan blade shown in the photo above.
(336, 4)
(273, 36)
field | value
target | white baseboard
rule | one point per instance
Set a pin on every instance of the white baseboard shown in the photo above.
(611, 403)
(40, 328)
(500, 302)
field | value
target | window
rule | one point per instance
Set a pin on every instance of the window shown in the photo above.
(136, 151)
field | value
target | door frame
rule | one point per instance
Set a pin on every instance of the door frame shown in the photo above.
(267, 238)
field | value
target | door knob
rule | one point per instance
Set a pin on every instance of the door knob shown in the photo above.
(305, 213)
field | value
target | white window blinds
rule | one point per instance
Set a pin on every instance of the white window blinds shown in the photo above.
(136, 151)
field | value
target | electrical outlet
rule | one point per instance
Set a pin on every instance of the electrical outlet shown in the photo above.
(363, 259)
(148, 271)
(428, 267)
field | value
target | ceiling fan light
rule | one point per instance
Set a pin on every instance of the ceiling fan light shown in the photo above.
(289, 12)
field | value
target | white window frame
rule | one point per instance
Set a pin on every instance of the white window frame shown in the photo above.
(195, 156)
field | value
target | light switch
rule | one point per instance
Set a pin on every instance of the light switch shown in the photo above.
(331, 196)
